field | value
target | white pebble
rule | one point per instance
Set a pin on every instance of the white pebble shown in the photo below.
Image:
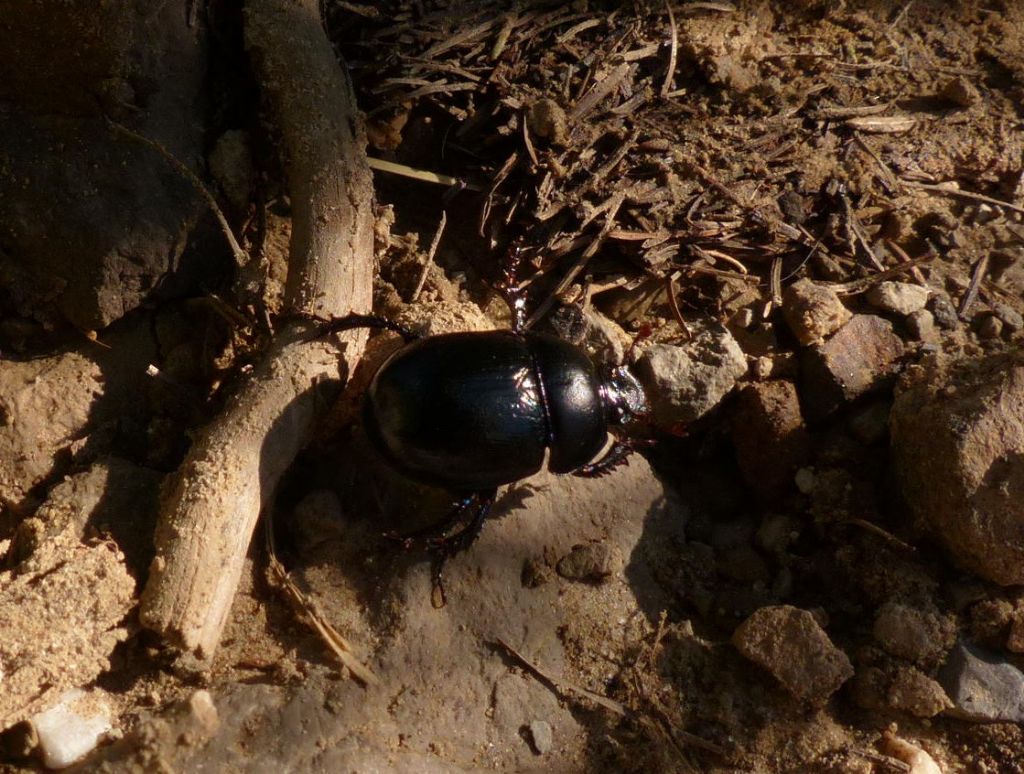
(72, 728)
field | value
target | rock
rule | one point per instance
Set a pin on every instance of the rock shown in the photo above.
(918, 760)
(743, 564)
(990, 327)
(769, 435)
(871, 423)
(685, 382)
(547, 119)
(911, 690)
(859, 358)
(1010, 317)
(44, 404)
(945, 313)
(789, 643)
(806, 480)
(898, 297)
(60, 625)
(960, 92)
(920, 636)
(982, 685)
(813, 311)
(777, 532)
(540, 734)
(590, 562)
(604, 339)
(128, 213)
(72, 728)
(921, 325)
(958, 448)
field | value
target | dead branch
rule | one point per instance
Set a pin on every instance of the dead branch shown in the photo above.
(212, 503)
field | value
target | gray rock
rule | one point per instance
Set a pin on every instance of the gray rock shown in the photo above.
(687, 381)
(982, 685)
(1011, 318)
(990, 327)
(543, 739)
(898, 297)
(944, 311)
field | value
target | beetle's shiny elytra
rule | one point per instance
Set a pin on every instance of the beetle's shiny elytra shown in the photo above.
(472, 411)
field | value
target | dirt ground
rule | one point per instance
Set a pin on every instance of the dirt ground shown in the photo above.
(664, 169)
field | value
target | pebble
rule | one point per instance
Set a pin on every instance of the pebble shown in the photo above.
(917, 760)
(813, 311)
(921, 325)
(543, 738)
(901, 298)
(805, 480)
(72, 728)
(1010, 317)
(944, 311)
(982, 685)
(912, 691)
(769, 436)
(921, 636)
(871, 423)
(687, 381)
(590, 562)
(790, 644)
(859, 358)
(990, 327)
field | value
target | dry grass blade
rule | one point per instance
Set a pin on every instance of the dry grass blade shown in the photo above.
(308, 610)
(980, 269)
(862, 285)
(562, 687)
(957, 193)
(673, 51)
(430, 257)
(426, 176)
(881, 124)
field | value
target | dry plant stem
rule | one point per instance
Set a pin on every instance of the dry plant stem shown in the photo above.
(212, 503)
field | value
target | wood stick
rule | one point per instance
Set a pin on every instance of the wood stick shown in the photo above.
(212, 503)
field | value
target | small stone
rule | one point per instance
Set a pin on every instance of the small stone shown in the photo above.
(917, 635)
(542, 737)
(921, 325)
(982, 685)
(871, 423)
(960, 92)
(813, 311)
(547, 119)
(743, 564)
(789, 643)
(945, 313)
(769, 435)
(911, 690)
(744, 318)
(590, 562)
(777, 532)
(535, 573)
(805, 480)
(917, 760)
(898, 297)
(990, 327)
(203, 712)
(778, 365)
(72, 728)
(685, 382)
(859, 358)
(1010, 317)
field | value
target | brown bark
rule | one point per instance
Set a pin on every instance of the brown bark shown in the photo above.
(213, 502)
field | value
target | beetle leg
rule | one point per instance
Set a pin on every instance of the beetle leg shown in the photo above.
(434, 533)
(348, 322)
(615, 456)
(446, 547)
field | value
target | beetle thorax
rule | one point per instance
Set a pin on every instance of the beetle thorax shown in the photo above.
(623, 396)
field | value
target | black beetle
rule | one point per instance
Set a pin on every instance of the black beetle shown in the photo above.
(472, 411)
